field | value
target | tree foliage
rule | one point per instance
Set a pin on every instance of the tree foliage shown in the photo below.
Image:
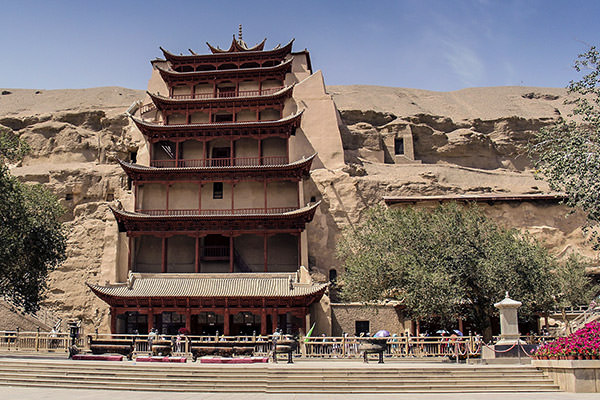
(32, 238)
(447, 262)
(567, 153)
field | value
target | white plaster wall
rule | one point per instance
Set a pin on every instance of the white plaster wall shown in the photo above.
(208, 203)
(274, 147)
(175, 119)
(181, 254)
(249, 194)
(248, 85)
(282, 194)
(192, 150)
(269, 115)
(250, 248)
(282, 253)
(199, 118)
(148, 254)
(246, 115)
(246, 148)
(183, 196)
(153, 196)
(177, 90)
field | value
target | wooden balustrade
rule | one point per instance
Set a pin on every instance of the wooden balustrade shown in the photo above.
(228, 94)
(227, 211)
(220, 162)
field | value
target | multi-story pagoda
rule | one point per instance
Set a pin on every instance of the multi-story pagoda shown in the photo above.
(216, 240)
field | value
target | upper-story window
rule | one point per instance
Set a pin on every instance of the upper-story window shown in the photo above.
(218, 190)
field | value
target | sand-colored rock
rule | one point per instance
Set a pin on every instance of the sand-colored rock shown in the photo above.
(469, 141)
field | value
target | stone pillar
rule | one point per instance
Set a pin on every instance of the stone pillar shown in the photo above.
(509, 321)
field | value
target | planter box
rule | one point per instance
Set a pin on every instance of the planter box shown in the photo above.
(579, 376)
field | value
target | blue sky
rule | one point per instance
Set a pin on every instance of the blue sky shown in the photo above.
(428, 44)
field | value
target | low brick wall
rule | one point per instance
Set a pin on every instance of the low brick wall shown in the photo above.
(579, 376)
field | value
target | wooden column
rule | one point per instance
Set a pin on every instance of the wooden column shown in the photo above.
(265, 252)
(113, 320)
(260, 160)
(226, 323)
(167, 205)
(164, 255)
(188, 319)
(205, 153)
(265, 192)
(287, 150)
(135, 196)
(129, 253)
(193, 92)
(300, 249)
(259, 87)
(263, 321)
(232, 197)
(150, 319)
(231, 152)
(273, 319)
(199, 197)
(177, 152)
(197, 258)
(231, 253)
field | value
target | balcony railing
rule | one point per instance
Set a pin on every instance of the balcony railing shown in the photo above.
(228, 211)
(228, 94)
(219, 95)
(215, 253)
(220, 162)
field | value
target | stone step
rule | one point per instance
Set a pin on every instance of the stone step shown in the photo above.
(291, 389)
(243, 368)
(270, 375)
(225, 379)
(270, 378)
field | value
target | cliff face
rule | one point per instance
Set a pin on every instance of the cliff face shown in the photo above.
(469, 141)
(75, 138)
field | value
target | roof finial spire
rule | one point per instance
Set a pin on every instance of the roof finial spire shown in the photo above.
(240, 33)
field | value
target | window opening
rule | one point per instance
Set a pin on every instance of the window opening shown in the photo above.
(218, 190)
(362, 327)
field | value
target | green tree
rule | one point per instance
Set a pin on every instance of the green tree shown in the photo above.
(574, 285)
(32, 238)
(447, 262)
(567, 153)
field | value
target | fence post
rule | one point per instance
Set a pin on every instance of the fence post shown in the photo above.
(37, 339)
(343, 346)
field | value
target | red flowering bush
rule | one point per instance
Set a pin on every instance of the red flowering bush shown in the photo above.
(583, 343)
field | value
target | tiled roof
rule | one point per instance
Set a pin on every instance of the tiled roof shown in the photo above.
(279, 51)
(268, 285)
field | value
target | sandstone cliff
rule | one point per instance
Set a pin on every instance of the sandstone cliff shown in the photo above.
(470, 141)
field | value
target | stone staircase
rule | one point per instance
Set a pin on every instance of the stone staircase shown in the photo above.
(302, 377)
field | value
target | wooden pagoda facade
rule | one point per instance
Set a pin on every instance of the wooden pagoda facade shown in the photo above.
(215, 234)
